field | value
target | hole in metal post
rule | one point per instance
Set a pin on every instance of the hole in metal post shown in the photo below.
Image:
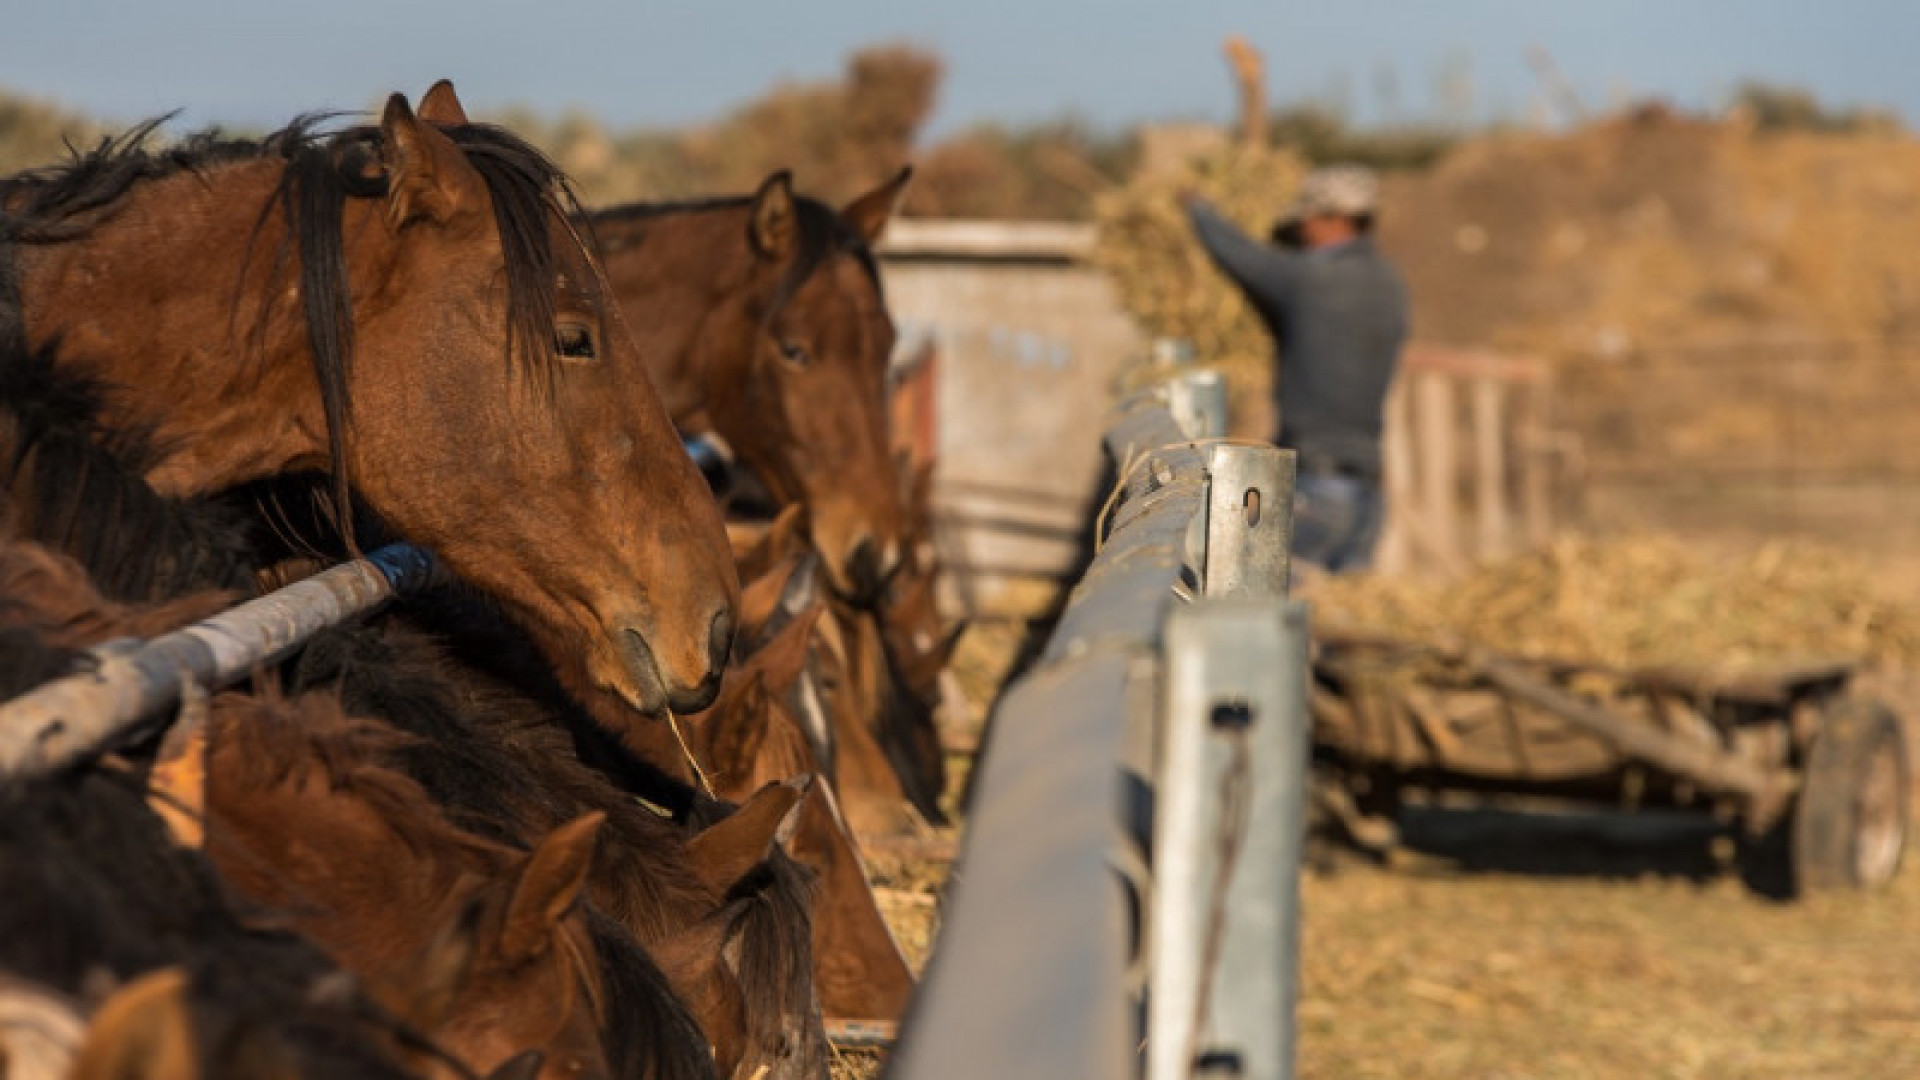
(1232, 716)
(1251, 502)
(1218, 1063)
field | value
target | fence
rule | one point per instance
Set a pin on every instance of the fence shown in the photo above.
(1474, 467)
(1130, 872)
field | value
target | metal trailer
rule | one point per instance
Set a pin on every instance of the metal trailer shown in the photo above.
(1813, 772)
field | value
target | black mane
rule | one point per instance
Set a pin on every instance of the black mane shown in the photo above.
(322, 170)
(70, 484)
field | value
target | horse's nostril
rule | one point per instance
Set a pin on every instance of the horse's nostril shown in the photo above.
(649, 689)
(863, 565)
(720, 641)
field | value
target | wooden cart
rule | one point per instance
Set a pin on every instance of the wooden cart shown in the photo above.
(1814, 773)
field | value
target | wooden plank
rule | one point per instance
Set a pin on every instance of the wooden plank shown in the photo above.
(1490, 467)
(1536, 477)
(1473, 364)
(1395, 554)
(993, 240)
(1436, 426)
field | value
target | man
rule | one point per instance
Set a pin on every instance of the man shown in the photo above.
(1338, 314)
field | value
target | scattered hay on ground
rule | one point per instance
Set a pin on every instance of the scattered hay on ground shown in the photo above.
(1645, 601)
(1439, 974)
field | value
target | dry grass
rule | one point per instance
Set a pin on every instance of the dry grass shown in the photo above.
(1449, 974)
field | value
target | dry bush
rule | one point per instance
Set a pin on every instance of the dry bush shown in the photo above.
(34, 133)
(1167, 283)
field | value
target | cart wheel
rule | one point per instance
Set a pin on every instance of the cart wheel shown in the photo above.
(1848, 827)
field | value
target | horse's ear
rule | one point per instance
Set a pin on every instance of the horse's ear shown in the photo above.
(774, 224)
(736, 728)
(950, 641)
(428, 178)
(727, 851)
(784, 538)
(548, 886)
(442, 106)
(177, 784)
(869, 213)
(760, 602)
(779, 661)
(142, 1032)
(920, 489)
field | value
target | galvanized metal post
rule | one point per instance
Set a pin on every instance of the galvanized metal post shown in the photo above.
(1249, 520)
(1230, 820)
(63, 721)
(1198, 402)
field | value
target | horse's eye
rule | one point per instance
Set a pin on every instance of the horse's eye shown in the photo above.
(575, 342)
(795, 354)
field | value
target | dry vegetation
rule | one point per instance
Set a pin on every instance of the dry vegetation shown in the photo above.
(1164, 278)
(1645, 601)
(1619, 972)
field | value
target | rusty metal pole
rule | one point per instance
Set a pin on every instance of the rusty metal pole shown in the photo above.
(61, 722)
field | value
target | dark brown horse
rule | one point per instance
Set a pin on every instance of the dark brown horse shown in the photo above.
(489, 949)
(762, 319)
(732, 933)
(97, 896)
(404, 307)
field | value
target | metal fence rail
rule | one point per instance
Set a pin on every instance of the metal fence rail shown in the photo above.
(1166, 713)
(131, 682)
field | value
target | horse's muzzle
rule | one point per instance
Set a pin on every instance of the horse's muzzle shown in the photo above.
(652, 690)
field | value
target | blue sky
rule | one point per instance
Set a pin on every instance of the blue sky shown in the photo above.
(1109, 61)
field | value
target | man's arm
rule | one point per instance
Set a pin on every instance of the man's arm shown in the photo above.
(1257, 268)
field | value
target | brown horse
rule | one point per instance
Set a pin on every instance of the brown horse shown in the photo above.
(731, 932)
(406, 308)
(486, 949)
(762, 319)
(870, 734)
(750, 736)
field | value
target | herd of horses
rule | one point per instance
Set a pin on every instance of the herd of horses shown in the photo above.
(589, 805)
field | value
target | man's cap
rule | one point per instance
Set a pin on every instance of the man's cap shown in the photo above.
(1337, 189)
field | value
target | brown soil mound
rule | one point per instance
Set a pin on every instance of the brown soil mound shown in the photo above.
(1652, 228)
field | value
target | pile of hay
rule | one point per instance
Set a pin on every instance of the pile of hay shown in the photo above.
(1644, 601)
(1167, 283)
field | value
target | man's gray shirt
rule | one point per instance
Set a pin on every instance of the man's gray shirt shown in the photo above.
(1338, 318)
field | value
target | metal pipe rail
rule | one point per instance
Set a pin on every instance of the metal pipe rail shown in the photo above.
(1174, 676)
(63, 721)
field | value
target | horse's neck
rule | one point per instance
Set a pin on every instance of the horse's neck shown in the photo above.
(671, 274)
(162, 301)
